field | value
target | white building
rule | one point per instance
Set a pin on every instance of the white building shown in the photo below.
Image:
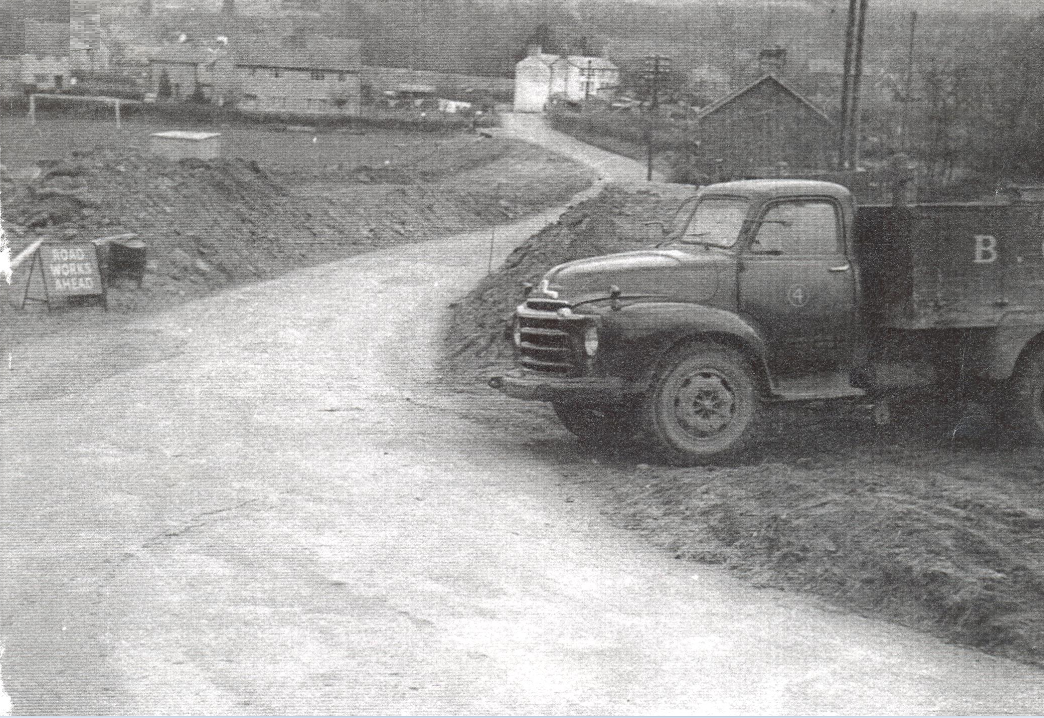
(586, 77)
(535, 79)
(541, 76)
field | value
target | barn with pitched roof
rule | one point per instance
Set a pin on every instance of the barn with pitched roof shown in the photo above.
(762, 129)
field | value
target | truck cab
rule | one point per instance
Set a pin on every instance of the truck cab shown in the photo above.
(778, 290)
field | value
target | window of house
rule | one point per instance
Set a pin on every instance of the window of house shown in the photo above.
(253, 71)
(275, 72)
(318, 75)
(342, 76)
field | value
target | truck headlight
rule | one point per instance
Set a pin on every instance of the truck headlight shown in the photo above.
(516, 333)
(591, 340)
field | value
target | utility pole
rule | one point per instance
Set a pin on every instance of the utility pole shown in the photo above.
(654, 67)
(857, 78)
(846, 77)
(904, 144)
(587, 83)
(853, 73)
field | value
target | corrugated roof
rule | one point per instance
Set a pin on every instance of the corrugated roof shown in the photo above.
(718, 104)
(596, 63)
(46, 38)
(320, 53)
(185, 54)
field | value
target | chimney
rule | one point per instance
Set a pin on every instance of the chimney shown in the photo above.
(772, 61)
(534, 51)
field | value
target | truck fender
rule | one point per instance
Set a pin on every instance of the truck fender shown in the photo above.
(658, 327)
(1009, 341)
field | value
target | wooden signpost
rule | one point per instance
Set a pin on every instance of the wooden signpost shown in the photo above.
(67, 269)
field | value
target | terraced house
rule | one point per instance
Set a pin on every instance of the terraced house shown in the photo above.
(313, 75)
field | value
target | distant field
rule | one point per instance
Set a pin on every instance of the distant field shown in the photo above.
(22, 145)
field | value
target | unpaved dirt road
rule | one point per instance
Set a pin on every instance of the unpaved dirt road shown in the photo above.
(266, 502)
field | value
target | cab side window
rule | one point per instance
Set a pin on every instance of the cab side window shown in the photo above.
(798, 229)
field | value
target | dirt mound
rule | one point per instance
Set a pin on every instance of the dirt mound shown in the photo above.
(904, 523)
(208, 224)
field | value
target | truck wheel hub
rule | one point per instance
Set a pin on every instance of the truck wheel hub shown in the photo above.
(704, 403)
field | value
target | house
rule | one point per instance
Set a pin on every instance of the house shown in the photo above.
(586, 77)
(536, 80)
(541, 76)
(761, 128)
(185, 71)
(44, 63)
(87, 52)
(313, 75)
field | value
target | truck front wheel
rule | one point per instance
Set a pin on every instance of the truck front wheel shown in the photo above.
(1026, 398)
(594, 423)
(702, 404)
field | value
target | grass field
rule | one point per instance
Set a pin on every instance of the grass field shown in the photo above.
(57, 136)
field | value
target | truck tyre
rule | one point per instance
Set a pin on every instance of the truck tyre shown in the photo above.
(1025, 408)
(595, 424)
(702, 404)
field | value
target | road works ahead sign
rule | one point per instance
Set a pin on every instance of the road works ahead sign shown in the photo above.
(69, 269)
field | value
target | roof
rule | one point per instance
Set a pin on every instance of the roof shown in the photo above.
(543, 57)
(185, 135)
(320, 53)
(718, 104)
(46, 38)
(596, 63)
(184, 55)
(767, 188)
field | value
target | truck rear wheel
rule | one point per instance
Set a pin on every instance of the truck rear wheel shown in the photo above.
(595, 424)
(702, 404)
(1026, 396)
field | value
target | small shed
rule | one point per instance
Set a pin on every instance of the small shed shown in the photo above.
(179, 145)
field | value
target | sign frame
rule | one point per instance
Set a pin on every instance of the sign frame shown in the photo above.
(94, 259)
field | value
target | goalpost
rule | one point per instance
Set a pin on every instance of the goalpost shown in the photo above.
(115, 102)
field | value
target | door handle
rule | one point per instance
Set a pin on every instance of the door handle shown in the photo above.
(842, 268)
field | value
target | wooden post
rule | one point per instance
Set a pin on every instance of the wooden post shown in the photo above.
(846, 84)
(857, 77)
(32, 109)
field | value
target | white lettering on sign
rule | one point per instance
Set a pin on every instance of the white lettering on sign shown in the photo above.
(69, 270)
(69, 254)
(72, 284)
(985, 249)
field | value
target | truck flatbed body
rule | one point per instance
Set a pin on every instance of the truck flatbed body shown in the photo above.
(935, 266)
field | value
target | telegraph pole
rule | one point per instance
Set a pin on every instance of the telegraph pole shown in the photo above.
(857, 78)
(846, 77)
(904, 145)
(848, 146)
(655, 65)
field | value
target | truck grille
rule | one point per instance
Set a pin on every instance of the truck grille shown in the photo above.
(547, 345)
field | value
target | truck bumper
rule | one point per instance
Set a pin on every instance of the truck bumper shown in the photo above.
(535, 387)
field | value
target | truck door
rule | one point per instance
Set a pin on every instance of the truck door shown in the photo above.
(797, 282)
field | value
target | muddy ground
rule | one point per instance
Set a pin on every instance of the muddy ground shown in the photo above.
(903, 522)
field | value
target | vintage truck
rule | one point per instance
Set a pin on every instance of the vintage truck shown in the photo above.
(783, 291)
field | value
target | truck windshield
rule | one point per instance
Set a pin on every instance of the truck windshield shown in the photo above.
(716, 222)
